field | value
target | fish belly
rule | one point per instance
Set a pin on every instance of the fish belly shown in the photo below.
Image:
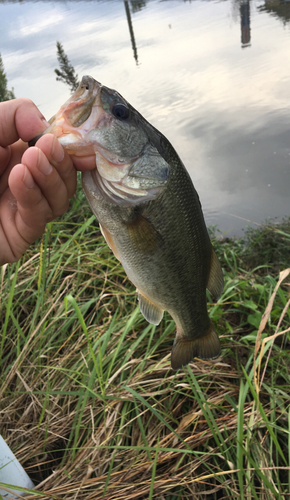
(166, 256)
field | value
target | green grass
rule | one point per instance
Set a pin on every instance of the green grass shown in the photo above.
(89, 403)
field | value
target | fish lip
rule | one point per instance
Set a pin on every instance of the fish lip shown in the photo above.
(77, 110)
(67, 120)
(89, 82)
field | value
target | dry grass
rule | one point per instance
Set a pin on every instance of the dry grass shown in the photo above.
(90, 406)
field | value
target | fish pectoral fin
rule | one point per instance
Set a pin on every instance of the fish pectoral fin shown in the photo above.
(142, 233)
(109, 241)
(151, 312)
(185, 349)
(215, 281)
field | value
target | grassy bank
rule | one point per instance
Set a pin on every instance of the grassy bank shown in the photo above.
(88, 402)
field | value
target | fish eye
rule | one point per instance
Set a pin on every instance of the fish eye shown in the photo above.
(120, 111)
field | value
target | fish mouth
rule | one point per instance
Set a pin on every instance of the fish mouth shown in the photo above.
(82, 112)
(82, 125)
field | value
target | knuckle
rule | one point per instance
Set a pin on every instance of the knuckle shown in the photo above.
(26, 100)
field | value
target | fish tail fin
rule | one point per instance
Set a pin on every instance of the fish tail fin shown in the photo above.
(205, 347)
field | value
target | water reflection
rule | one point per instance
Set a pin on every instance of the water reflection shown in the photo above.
(128, 14)
(137, 5)
(225, 110)
(279, 8)
(5, 93)
(245, 23)
(66, 73)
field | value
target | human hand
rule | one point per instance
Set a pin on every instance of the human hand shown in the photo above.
(35, 183)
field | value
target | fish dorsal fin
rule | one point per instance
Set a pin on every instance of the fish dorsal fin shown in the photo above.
(215, 281)
(151, 312)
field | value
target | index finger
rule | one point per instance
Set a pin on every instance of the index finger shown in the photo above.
(20, 118)
(83, 163)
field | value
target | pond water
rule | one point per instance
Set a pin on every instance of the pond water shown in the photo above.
(213, 77)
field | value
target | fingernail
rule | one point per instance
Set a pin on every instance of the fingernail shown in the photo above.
(45, 122)
(43, 165)
(57, 151)
(27, 178)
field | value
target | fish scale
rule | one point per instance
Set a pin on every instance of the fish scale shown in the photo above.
(149, 212)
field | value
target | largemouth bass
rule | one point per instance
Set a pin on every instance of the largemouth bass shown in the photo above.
(149, 213)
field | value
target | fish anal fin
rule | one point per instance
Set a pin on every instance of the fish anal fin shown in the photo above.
(143, 235)
(215, 281)
(109, 241)
(185, 349)
(151, 312)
